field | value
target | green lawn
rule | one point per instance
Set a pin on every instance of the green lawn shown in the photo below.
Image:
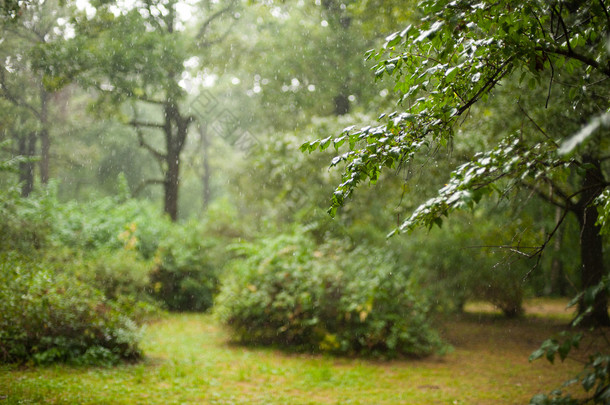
(189, 361)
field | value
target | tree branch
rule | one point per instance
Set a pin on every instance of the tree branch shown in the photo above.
(205, 44)
(136, 123)
(565, 29)
(546, 242)
(571, 54)
(493, 80)
(536, 124)
(160, 156)
(204, 27)
(546, 197)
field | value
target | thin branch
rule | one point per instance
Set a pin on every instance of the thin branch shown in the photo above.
(493, 80)
(137, 123)
(565, 29)
(161, 157)
(545, 197)
(548, 96)
(511, 248)
(224, 36)
(536, 124)
(571, 54)
(204, 27)
(546, 242)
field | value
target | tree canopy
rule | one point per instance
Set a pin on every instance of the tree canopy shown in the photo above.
(459, 55)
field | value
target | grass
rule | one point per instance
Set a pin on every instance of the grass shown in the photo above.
(190, 361)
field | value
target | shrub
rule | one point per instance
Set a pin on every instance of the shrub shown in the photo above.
(460, 263)
(25, 223)
(123, 277)
(286, 292)
(110, 223)
(185, 278)
(48, 316)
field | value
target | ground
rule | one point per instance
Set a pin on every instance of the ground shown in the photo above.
(191, 361)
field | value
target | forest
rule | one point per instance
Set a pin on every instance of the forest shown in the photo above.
(304, 202)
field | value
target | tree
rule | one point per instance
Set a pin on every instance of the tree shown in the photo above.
(134, 59)
(23, 84)
(456, 59)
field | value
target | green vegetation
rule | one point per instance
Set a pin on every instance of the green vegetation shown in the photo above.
(188, 360)
(289, 292)
(48, 316)
(151, 163)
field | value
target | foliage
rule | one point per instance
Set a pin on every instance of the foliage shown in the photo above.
(110, 222)
(115, 222)
(48, 316)
(121, 275)
(25, 224)
(595, 376)
(288, 292)
(473, 264)
(185, 277)
(455, 59)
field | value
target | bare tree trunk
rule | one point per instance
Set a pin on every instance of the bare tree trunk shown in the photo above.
(172, 181)
(27, 148)
(205, 177)
(176, 129)
(558, 285)
(45, 142)
(591, 245)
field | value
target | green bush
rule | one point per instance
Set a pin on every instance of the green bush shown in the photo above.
(185, 277)
(48, 316)
(122, 276)
(41, 221)
(460, 263)
(288, 292)
(110, 223)
(25, 223)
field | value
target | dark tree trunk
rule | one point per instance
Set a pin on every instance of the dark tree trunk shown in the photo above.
(175, 128)
(342, 106)
(558, 282)
(591, 245)
(27, 148)
(172, 182)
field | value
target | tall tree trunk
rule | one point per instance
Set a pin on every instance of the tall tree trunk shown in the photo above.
(45, 142)
(557, 285)
(172, 181)
(591, 245)
(27, 148)
(176, 129)
(205, 177)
